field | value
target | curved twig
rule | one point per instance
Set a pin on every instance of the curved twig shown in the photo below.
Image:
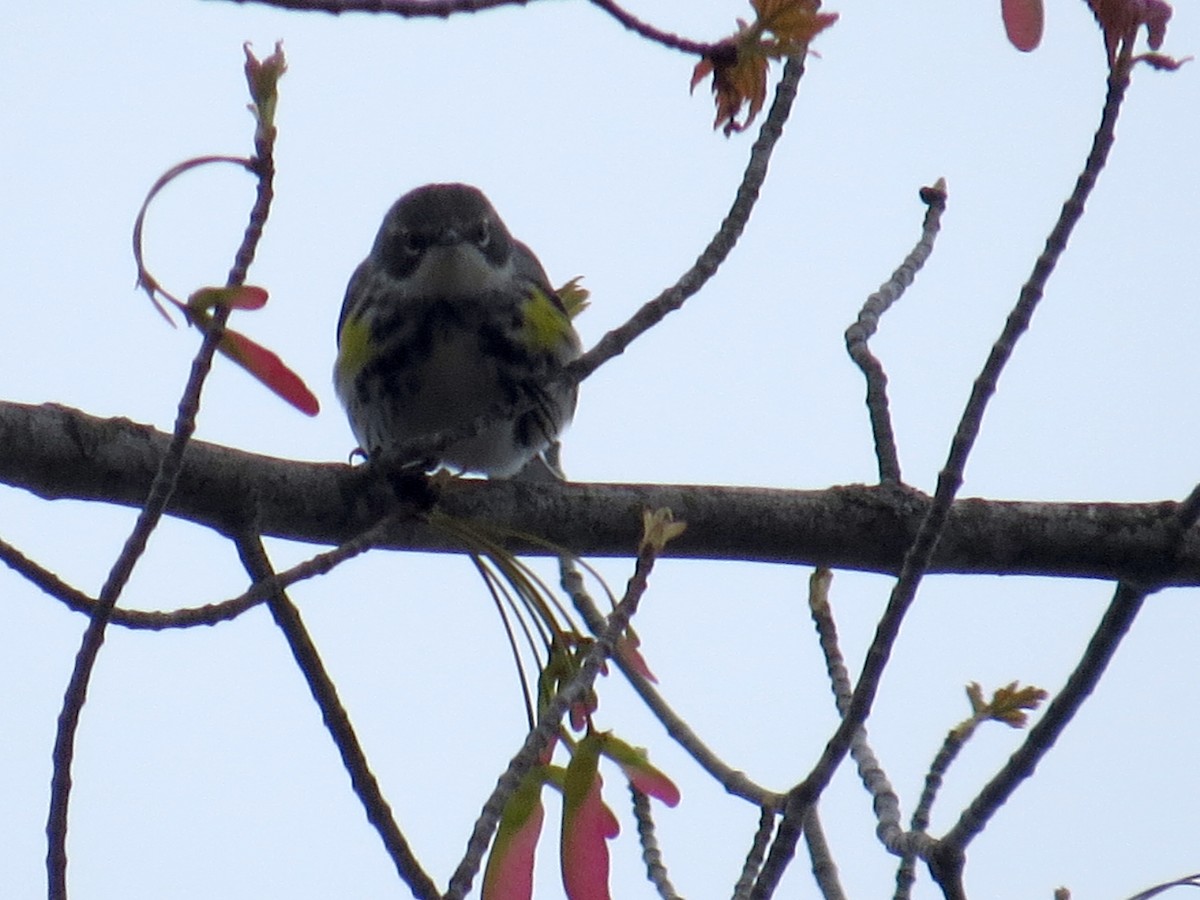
(650, 33)
(654, 311)
(858, 334)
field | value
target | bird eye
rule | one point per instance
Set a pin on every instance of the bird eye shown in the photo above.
(481, 234)
(412, 243)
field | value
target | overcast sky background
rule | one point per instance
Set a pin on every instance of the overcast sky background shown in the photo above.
(202, 767)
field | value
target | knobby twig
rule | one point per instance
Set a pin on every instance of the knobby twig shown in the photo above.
(337, 721)
(917, 843)
(917, 558)
(825, 871)
(156, 501)
(656, 871)
(885, 802)
(858, 334)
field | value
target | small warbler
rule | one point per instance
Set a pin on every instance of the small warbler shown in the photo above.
(451, 341)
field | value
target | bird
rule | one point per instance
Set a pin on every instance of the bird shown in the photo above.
(452, 345)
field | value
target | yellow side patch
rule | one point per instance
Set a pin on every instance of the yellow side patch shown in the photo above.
(545, 324)
(354, 346)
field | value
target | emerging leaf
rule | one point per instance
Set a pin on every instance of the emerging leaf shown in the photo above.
(629, 649)
(1008, 704)
(587, 825)
(738, 64)
(739, 79)
(636, 765)
(207, 299)
(270, 370)
(658, 528)
(509, 872)
(574, 296)
(1023, 22)
(1121, 19)
(263, 76)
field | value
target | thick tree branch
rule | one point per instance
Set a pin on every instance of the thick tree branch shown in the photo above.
(61, 453)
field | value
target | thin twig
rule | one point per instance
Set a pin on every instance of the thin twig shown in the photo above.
(884, 799)
(156, 501)
(337, 721)
(45, 579)
(1118, 618)
(733, 780)
(917, 843)
(917, 558)
(648, 31)
(858, 334)
(409, 9)
(1185, 881)
(616, 341)
(224, 610)
(656, 871)
(443, 9)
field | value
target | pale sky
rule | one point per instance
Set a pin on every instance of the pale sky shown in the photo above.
(202, 766)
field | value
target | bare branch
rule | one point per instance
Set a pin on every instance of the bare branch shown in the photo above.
(1118, 618)
(825, 871)
(733, 780)
(654, 311)
(756, 854)
(867, 323)
(408, 9)
(59, 453)
(656, 872)
(324, 693)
